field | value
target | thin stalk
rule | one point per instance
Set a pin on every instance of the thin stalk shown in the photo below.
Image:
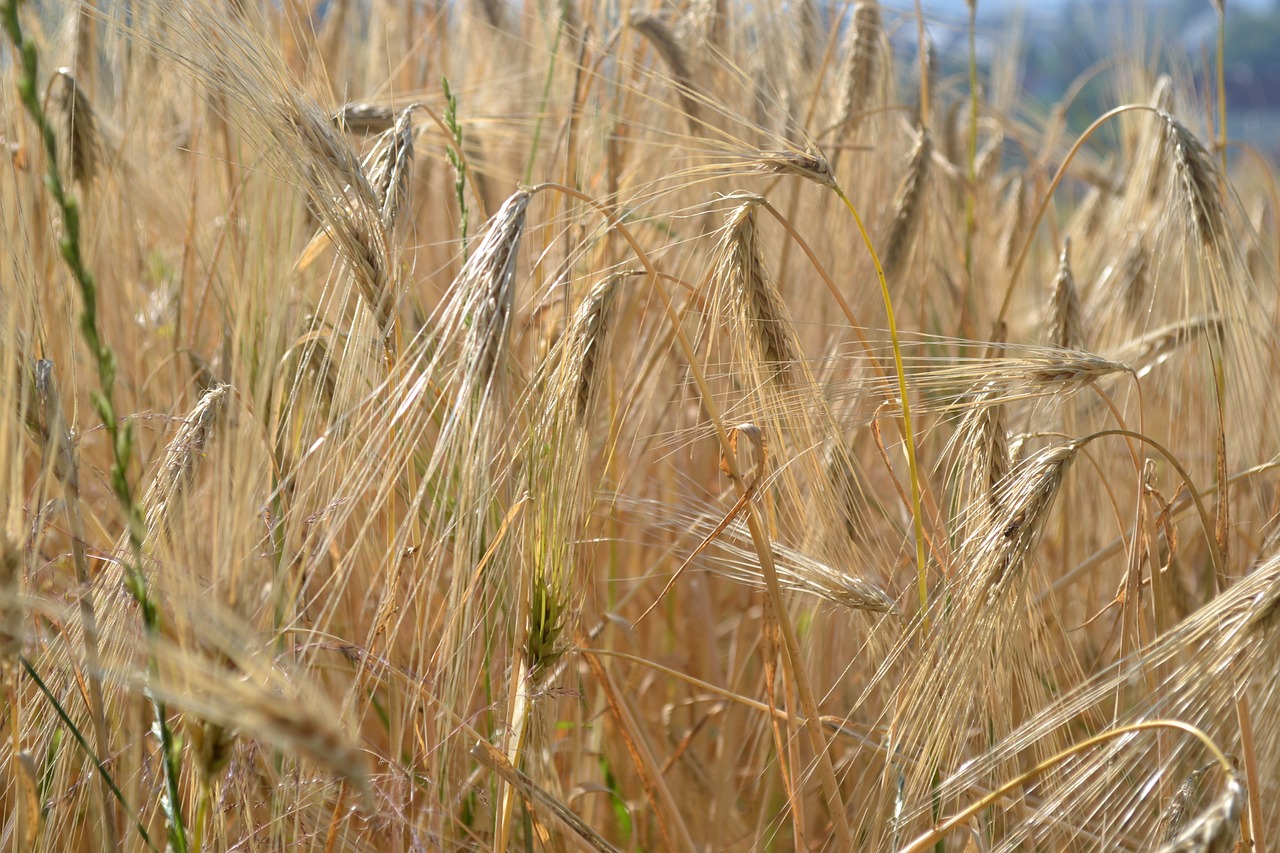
(542, 104)
(1222, 83)
(936, 834)
(120, 433)
(1257, 823)
(1206, 522)
(755, 524)
(64, 465)
(971, 191)
(922, 576)
(88, 750)
(1048, 196)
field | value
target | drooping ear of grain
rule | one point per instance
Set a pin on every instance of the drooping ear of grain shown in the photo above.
(1198, 185)
(487, 282)
(757, 306)
(364, 118)
(730, 554)
(178, 464)
(389, 169)
(1025, 500)
(212, 745)
(809, 164)
(908, 208)
(1064, 327)
(812, 38)
(659, 36)
(1013, 220)
(1129, 278)
(589, 341)
(340, 196)
(1150, 350)
(982, 460)
(388, 173)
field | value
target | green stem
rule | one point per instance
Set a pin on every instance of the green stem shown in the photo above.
(84, 745)
(119, 433)
(546, 96)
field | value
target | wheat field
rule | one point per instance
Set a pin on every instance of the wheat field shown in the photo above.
(627, 426)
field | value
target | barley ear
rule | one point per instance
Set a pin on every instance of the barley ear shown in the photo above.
(754, 298)
(80, 153)
(907, 208)
(809, 164)
(178, 463)
(588, 342)
(1064, 326)
(1013, 215)
(487, 283)
(659, 36)
(389, 169)
(1198, 183)
(364, 118)
(862, 64)
(212, 745)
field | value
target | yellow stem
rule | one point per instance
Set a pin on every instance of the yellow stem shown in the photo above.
(1048, 196)
(755, 525)
(922, 576)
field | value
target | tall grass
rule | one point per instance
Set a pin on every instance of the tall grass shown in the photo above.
(626, 520)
